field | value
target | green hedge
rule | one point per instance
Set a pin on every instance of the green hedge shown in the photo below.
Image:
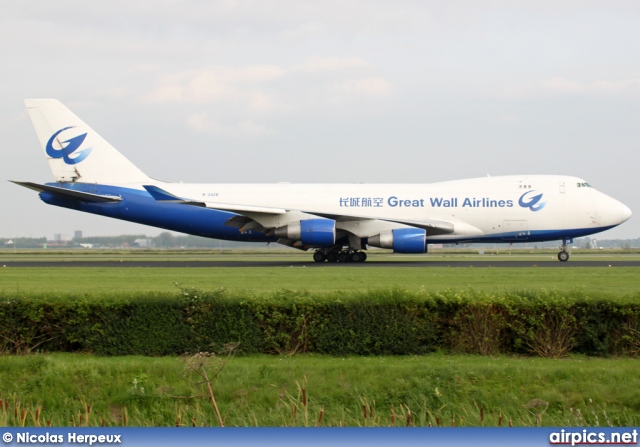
(378, 322)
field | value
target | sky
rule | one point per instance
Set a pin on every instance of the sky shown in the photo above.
(325, 92)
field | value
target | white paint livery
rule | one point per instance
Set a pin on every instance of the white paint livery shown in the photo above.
(337, 220)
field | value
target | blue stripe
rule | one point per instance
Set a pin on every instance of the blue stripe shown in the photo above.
(532, 236)
(138, 206)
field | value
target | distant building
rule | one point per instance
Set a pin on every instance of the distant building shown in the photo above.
(77, 234)
(143, 243)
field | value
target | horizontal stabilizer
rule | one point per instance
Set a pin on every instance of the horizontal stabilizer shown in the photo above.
(70, 193)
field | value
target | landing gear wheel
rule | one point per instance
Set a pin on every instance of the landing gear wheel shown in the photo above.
(563, 256)
(318, 256)
(332, 257)
(358, 256)
(343, 257)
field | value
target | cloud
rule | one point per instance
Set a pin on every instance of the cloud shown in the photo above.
(259, 88)
(566, 86)
(562, 85)
(627, 85)
(216, 84)
(325, 64)
(367, 87)
(241, 97)
(202, 122)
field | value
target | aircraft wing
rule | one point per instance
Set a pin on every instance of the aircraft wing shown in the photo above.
(163, 196)
(70, 193)
(266, 218)
(433, 226)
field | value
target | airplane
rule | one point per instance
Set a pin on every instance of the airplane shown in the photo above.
(337, 221)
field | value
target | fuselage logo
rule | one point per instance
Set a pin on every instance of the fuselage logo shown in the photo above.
(69, 147)
(533, 202)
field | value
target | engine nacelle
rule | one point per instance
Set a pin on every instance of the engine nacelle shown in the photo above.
(320, 232)
(402, 240)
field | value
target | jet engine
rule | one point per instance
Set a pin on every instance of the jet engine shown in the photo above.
(316, 232)
(402, 240)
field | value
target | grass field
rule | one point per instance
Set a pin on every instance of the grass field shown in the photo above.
(268, 391)
(616, 281)
(296, 276)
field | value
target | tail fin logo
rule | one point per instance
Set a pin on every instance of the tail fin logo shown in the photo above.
(69, 147)
(532, 203)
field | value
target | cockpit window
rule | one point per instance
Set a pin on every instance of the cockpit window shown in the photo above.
(584, 185)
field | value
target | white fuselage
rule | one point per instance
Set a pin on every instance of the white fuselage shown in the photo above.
(477, 207)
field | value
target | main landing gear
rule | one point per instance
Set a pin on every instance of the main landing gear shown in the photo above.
(563, 256)
(348, 255)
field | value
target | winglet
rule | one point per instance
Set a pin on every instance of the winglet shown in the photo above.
(161, 195)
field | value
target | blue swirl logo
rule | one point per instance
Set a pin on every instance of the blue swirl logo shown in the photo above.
(69, 147)
(533, 203)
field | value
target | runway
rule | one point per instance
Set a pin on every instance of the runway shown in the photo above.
(279, 263)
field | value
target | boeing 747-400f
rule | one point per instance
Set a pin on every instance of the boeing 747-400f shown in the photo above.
(337, 221)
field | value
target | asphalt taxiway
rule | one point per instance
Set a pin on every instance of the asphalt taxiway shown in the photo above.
(281, 263)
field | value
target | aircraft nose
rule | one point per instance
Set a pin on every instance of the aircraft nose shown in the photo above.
(626, 213)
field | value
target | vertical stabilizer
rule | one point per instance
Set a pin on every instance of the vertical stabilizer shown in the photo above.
(76, 153)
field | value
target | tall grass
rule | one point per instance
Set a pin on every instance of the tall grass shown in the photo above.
(433, 390)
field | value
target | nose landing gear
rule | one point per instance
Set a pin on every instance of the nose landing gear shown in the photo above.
(563, 256)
